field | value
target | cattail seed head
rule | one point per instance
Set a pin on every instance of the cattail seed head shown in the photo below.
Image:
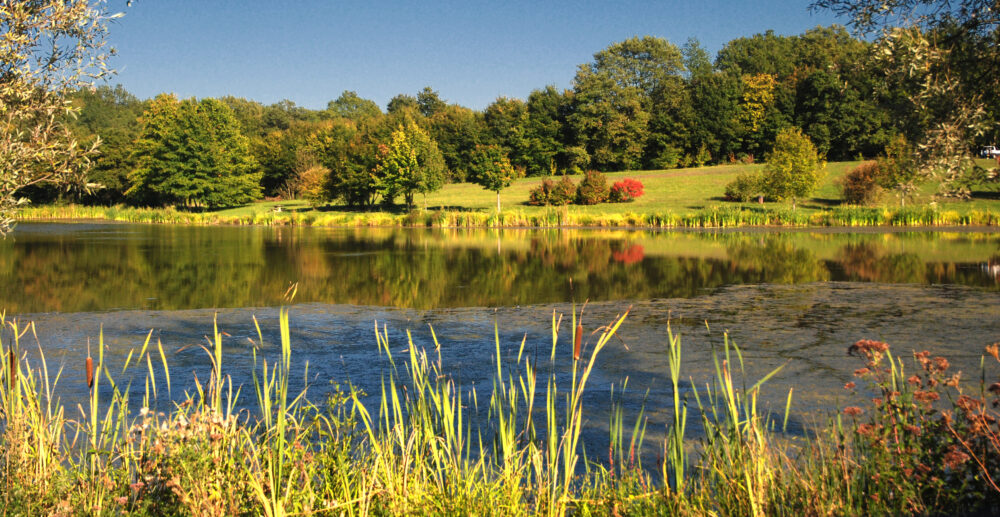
(578, 336)
(13, 367)
(90, 372)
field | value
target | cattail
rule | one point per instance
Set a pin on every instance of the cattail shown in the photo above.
(576, 342)
(13, 367)
(90, 372)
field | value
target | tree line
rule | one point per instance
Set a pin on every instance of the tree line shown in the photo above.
(642, 103)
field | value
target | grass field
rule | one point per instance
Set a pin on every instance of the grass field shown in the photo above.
(676, 197)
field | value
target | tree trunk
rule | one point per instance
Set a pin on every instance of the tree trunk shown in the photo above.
(498, 201)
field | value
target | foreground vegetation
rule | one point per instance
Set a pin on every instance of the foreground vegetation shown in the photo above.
(924, 442)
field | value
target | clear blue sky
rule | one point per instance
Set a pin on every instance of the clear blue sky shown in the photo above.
(471, 51)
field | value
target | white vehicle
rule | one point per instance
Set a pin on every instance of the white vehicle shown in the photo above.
(990, 151)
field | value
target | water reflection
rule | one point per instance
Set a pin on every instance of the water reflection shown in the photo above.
(74, 268)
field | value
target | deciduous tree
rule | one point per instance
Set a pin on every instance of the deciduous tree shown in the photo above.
(48, 49)
(794, 168)
(192, 153)
(491, 169)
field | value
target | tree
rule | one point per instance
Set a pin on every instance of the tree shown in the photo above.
(109, 116)
(491, 169)
(898, 169)
(47, 50)
(429, 102)
(401, 103)
(350, 106)
(193, 153)
(794, 168)
(613, 97)
(409, 163)
(942, 55)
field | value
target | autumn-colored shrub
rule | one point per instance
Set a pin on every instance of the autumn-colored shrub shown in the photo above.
(553, 193)
(593, 189)
(625, 190)
(861, 185)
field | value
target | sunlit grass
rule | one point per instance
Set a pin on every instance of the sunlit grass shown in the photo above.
(673, 198)
(429, 446)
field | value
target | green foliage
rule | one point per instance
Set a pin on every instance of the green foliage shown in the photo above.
(794, 167)
(47, 51)
(457, 132)
(409, 163)
(491, 169)
(861, 186)
(899, 169)
(747, 186)
(349, 105)
(192, 153)
(614, 96)
(593, 189)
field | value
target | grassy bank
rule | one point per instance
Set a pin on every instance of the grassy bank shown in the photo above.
(430, 447)
(681, 198)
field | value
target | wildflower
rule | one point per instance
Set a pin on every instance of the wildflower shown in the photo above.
(850, 386)
(122, 500)
(853, 411)
(994, 350)
(953, 380)
(869, 348)
(915, 380)
(861, 372)
(866, 430)
(926, 397)
(912, 429)
(954, 457)
(941, 364)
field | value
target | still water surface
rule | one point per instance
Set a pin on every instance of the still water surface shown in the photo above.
(793, 298)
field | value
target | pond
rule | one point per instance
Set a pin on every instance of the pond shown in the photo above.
(795, 299)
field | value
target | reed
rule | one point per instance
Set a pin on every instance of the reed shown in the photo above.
(714, 216)
(424, 444)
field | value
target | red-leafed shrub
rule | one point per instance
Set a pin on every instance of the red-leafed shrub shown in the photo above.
(625, 190)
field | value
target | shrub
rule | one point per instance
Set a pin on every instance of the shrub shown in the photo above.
(593, 189)
(539, 196)
(552, 193)
(563, 193)
(625, 191)
(745, 187)
(861, 185)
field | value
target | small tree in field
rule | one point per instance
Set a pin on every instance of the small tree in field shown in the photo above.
(794, 168)
(899, 168)
(491, 169)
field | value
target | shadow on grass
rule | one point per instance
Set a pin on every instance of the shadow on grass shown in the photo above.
(992, 195)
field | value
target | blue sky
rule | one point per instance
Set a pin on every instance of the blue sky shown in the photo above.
(470, 51)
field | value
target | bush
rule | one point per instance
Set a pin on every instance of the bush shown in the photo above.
(745, 187)
(563, 193)
(593, 189)
(861, 185)
(552, 193)
(625, 191)
(539, 196)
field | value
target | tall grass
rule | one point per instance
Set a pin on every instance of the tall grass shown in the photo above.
(426, 445)
(715, 216)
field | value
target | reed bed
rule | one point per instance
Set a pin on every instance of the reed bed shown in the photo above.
(723, 216)
(428, 446)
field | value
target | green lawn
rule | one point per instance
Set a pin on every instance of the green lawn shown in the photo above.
(678, 191)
